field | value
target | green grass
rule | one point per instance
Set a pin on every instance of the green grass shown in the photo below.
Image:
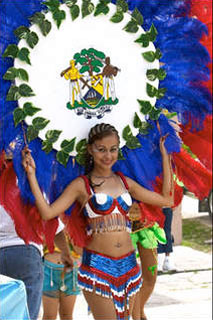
(195, 234)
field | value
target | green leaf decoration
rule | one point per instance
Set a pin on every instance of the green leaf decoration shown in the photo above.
(87, 8)
(133, 143)
(70, 3)
(149, 56)
(21, 32)
(101, 8)
(158, 54)
(22, 74)
(127, 133)
(10, 74)
(47, 146)
(81, 146)
(18, 116)
(44, 25)
(117, 17)
(68, 145)
(152, 33)
(11, 51)
(13, 73)
(13, 94)
(131, 26)
(160, 93)
(59, 16)
(23, 55)
(144, 128)
(137, 121)
(122, 5)
(143, 40)
(151, 90)
(120, 155)
(26, 91)
(146, 106)
(154, 113)
(80, 159)
(40, 123)
(32, 39)
(74, 11)
(52, 135)
(53, 5)
(161, 74)
(32, 133)
(62, 157)
(37, 18)
(29, 109)
(152, 74)
(137, 16)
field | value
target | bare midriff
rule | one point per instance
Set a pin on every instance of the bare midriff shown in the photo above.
(112, 243)
(54, 257)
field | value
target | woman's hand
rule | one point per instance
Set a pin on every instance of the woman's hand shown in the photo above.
(28, 161)
(162, 144)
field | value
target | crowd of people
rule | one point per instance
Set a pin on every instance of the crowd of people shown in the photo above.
(114, 285)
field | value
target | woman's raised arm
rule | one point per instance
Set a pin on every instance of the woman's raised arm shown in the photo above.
(49, 211)
(166, 198)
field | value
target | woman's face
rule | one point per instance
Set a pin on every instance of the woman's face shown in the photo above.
(105, 151)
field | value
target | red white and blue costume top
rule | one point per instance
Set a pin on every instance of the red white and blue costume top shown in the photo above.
(106, 213)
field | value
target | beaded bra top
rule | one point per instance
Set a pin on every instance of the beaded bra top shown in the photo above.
(105, 213)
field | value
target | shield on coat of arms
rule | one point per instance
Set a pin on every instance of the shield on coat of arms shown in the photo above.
(92, 88)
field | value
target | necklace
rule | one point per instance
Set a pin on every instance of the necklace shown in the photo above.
(99, 177)
(103, 177)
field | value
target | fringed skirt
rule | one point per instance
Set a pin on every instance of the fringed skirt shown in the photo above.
(115, 278)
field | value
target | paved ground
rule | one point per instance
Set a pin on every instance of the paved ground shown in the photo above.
(185, 295)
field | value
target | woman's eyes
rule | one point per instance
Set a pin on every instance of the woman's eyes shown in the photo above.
(103, 150)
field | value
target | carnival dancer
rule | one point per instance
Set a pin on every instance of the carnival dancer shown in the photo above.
(109, 274)
(146, 234)
(60, 287)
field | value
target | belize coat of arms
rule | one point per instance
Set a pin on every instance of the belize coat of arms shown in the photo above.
(91, 83)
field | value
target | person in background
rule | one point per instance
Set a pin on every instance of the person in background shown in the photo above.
(146, 234)
(60, 287)
(165, 259)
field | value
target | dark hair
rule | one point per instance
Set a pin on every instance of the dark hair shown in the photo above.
(99, 131)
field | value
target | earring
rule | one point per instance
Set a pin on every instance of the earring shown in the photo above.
(91, 161)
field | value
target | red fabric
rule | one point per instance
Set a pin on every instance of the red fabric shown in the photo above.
(120, 174)
(151, 213)
(86, 181)
(28, 223)
(193, 174)
(200, 142)
(76, 226)
(202, 10)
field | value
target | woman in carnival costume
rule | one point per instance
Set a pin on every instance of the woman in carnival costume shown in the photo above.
(183, 70)
(108, 275)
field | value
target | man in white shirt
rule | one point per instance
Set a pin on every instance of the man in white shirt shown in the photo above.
(24, 261)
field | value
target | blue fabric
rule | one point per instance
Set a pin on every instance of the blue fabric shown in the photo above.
(115, 267)
(166, 248)
(23, 262)
(13, 300)
(53, 282)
